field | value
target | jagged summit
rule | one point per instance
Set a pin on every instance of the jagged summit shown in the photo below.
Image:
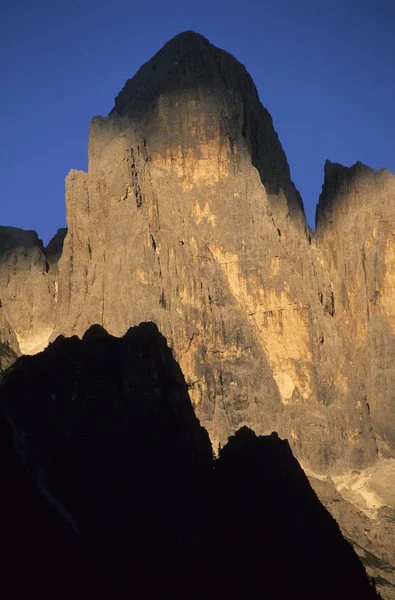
(188, 37)
(27, 287)
(14, 237)
(341, 182)
(184, 42)
(186, 61)
(190, 92)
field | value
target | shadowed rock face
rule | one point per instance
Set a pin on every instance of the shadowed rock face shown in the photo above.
(107, 462)
(109, 480)
(7, 356)
(54, 249)
(103, 397)
(277, 520)
(195, 94)
(42, 552)
(8, 341)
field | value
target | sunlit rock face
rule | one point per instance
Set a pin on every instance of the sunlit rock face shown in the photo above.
(356, 239)
(188, 218)
(28, 288)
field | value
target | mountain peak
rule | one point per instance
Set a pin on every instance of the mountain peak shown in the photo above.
(191, 89)
(183, 62)
(188, 38)
(341, 182)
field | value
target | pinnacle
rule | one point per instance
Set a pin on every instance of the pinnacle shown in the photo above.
(188, 36)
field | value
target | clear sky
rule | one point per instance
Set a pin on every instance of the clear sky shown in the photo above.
(324, 69)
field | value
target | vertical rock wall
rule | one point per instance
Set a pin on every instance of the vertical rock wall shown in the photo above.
(188, 217)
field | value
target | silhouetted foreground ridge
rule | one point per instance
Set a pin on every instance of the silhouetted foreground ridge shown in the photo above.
(109, 486)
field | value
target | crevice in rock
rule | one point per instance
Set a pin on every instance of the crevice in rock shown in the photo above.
(363, 261)
(162, 299)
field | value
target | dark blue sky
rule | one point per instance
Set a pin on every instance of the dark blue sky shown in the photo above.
(324, 69)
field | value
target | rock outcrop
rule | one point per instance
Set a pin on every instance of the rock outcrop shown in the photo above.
(372, 538)
(28, 288)
(356, 239)
(188, 217)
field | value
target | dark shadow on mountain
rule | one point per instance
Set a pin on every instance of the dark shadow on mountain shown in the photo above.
(39, 547)
(108, 424)
(111, 488)
(7, 356)
(189, 67)
(282, 543)
(53, 251)
(339, 183)
(16, 239)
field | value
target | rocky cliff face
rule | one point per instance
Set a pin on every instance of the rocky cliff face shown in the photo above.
(172, 191)
(356, 240)
(188, 217)
(28, 290)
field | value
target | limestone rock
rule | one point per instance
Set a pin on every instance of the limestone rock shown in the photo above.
(371, 535)
(7, 356)
(356, 240)
(28, 288)
(7, 334)
(54, 249)
(188, 217)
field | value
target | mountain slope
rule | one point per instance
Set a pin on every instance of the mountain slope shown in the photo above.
(107, 471)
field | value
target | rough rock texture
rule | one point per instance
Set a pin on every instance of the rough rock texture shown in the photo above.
(7, 334)
(108, 479)
(9, 347)
(356, 238)
(54, 249)
(7, 356)
(28, 288)
(372, 539)
(188, 217)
